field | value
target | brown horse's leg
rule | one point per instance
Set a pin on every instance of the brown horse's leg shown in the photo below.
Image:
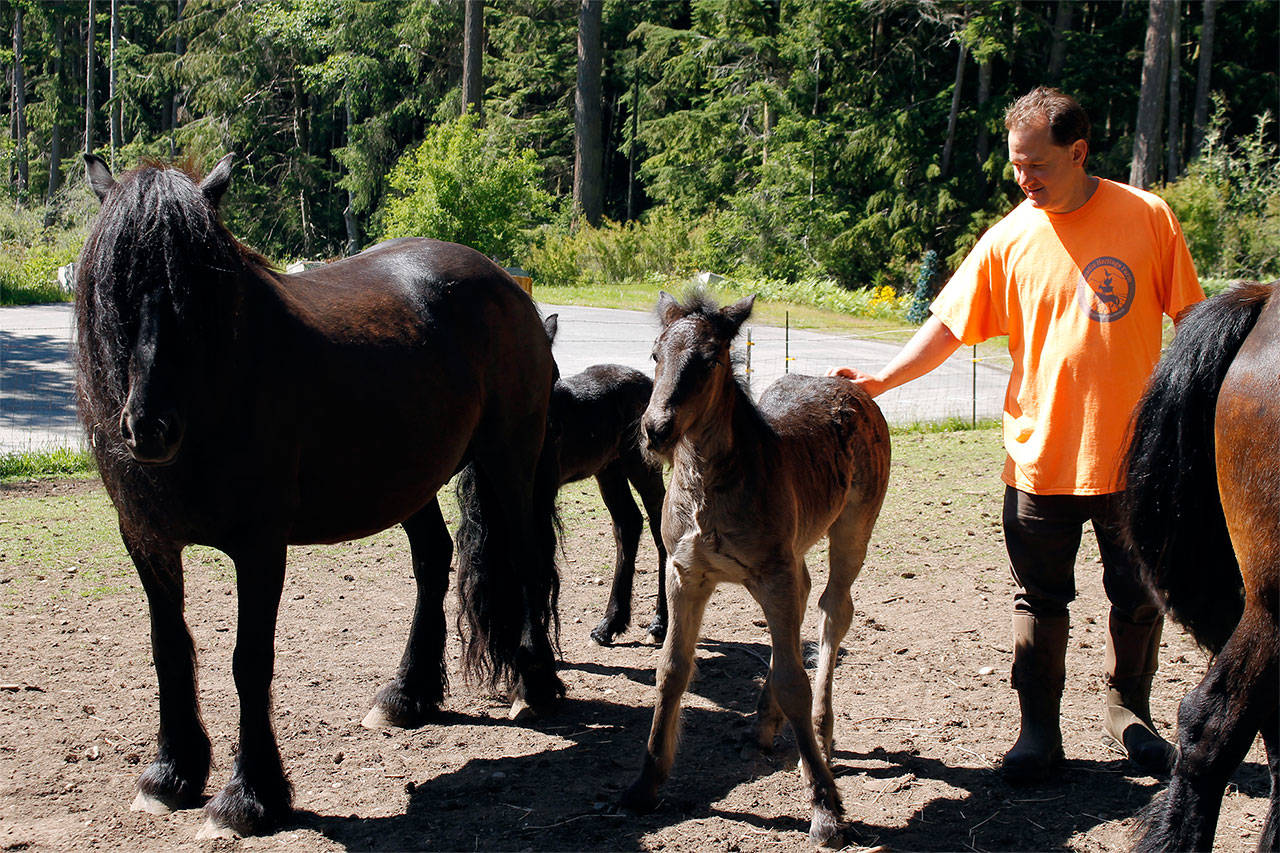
(627, 525)
(176, 778)
(1217, 722)
(258, 798)
(689, 596)
(418, 688)
(849, 535)
(782, 598)
(649, 484)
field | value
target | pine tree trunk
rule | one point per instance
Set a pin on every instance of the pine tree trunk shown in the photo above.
(954, 118)
(1061, 26)
(55, 130)
(179, 50)
(88, 81)
(1172, 148)
(113, 93)
(472, 52)
(588, 189)
(19, 103)
(1200, 118)
(349, 212)
(1155, 68)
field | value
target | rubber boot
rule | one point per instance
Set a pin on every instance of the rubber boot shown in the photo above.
(1133, 654)
(1039, 673)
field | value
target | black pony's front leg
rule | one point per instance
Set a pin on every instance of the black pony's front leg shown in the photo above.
(258, 798)
(418, 688)
(176, 778)
(627, 524)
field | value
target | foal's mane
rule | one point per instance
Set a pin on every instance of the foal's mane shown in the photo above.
(697, 303)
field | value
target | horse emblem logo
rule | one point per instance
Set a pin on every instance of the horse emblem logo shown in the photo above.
(1106, 289)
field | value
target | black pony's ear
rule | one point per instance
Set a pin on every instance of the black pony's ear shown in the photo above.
(552, 325)
(99, 176)
(738, 312)
(668, 310)
(217, 181)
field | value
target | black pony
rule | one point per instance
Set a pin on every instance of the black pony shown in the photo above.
(232, 406)
(1203, 513)
(595, 422)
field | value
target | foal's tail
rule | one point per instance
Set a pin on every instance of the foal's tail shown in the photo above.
(1172, 508)
(508, 585)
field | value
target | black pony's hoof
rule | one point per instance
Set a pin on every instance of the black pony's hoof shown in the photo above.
(238, 811)
(537, 698)
(393, 707)
(161, 789)
(606, 632)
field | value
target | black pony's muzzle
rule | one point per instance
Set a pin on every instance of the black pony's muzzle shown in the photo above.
(151, 440)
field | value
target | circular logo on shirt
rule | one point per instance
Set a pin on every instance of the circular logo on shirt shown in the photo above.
(1106, 289)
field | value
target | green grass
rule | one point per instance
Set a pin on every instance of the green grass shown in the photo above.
(43, 464)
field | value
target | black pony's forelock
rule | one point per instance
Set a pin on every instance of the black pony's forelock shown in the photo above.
(156, 230)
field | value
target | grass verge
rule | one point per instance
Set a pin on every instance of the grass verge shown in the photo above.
(44, 464)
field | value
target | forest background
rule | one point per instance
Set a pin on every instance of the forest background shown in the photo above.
(813, 148)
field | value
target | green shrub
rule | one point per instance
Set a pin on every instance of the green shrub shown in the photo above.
(458, 186)
(58, 462)
(662, 244)
(35, 241)
(1228, 203)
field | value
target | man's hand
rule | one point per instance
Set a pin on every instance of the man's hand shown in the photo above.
(873, 386)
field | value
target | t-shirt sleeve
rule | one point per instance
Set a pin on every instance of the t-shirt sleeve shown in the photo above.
(1181, 285)
(967, 305)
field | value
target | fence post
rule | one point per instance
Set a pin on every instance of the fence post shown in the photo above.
(974, 393)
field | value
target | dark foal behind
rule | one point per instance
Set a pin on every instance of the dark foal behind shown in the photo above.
(595, 423)
(1203, 513)
(232, 406)
(752, 490)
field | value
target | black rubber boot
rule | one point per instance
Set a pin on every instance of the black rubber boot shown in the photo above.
(1133, 654)
(1039, 673)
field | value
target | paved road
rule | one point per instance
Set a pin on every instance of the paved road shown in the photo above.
(37, 388)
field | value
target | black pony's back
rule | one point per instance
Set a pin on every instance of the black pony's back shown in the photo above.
(1172, 509)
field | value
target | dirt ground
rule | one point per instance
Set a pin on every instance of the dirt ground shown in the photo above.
(924, 705)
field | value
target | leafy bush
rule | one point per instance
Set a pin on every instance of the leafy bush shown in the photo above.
(36, 241)
(458, 186)
(1228, 203)
(663, 244)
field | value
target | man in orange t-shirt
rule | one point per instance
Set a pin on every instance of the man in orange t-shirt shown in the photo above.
(1079, 276)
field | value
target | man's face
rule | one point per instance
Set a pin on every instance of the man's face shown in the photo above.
(1051, 176)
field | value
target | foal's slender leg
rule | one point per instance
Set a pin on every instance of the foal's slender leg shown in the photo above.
(1270, 838)
(769, 716)
(648, 482)
(783, 600)
(176, 778)
(627, 524)
(689, 596)
(258, 797)
(419, 685)
(849, 535)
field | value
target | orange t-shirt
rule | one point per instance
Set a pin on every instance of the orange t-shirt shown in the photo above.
(1080, 296)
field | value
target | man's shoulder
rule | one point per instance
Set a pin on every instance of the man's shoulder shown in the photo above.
(1123, 195)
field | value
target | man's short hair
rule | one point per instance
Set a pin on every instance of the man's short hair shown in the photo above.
(1067, 119)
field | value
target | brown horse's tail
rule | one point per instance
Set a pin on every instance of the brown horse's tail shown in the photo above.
(1173, 513)
(508, 584)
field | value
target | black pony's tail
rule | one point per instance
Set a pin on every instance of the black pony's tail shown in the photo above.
(508, 583)
(1173, 513)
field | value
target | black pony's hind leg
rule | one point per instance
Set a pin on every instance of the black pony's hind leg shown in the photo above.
(177, 777)
(258, 798)
(627, 524)
(649, 484)
(418, 688)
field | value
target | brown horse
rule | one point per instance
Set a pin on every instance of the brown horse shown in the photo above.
(1203, 513)
(232, 406)
(595, 424)
(752, 489)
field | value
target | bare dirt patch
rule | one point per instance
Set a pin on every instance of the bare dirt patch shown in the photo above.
(925, 708)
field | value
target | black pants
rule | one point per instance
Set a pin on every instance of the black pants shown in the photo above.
(1042, 534)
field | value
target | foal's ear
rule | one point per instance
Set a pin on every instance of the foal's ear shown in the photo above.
(552, 325)
(738, 312)
(98, 175)
(216, 182)
(668, 309)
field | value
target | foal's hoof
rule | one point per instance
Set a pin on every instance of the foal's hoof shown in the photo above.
(213, 830)
(604, 634)
(394, 707)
